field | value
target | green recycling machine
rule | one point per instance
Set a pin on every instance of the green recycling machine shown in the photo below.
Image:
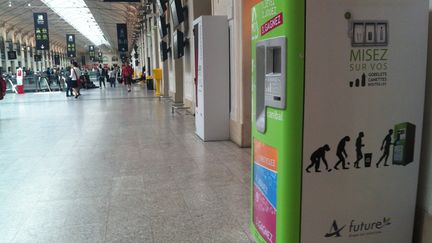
(337, 111)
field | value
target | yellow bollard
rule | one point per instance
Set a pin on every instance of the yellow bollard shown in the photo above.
(157, 74)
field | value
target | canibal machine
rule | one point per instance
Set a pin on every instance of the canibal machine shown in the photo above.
(338, 95)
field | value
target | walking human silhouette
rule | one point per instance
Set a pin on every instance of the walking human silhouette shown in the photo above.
(316, 158)
(359, 145)
(387, 142)
(341, 153)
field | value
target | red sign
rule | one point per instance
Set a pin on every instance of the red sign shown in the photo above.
(272, 24)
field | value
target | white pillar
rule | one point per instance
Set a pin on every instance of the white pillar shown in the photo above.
(155, 39)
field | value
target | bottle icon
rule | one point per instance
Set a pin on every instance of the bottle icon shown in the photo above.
(359, 82)
(381, 36)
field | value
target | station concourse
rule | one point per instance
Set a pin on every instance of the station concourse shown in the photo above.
(113, 167)
(255, 121)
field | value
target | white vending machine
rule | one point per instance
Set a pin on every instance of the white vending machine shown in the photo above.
(212, 77)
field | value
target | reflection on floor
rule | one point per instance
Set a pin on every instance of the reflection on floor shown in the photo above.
(115, 167)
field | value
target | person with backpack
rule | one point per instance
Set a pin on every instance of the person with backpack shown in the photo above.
(2, 86)
(127, 73)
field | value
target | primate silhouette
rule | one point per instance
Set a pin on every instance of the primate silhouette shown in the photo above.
(387, 142)
(359, 145)
(317, 156)
(341, 153)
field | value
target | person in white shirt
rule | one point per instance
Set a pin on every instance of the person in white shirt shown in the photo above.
(112, 79)
(74, 76)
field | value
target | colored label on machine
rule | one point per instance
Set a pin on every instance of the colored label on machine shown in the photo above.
(265, 180)
(272, 24)
(264, 216)
(265, 186)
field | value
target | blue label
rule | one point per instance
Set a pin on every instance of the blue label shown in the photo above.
(266, 181)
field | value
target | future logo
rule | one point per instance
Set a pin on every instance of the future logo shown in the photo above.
(335, 231)
(358, 228)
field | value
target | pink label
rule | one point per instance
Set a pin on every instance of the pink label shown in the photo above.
(264, 216)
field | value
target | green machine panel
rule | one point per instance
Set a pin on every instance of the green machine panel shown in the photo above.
(278, 74)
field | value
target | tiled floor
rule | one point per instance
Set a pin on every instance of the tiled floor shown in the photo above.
(115, 167)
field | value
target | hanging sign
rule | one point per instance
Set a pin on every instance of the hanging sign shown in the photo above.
(122, 38)
(92, 52)
(70, 43)
(41, 31)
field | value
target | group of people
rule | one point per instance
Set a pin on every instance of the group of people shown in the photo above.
(103, 74)
(107, 74)
(114, 74)
(75, 78)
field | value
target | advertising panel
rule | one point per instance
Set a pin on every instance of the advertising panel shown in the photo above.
(338, 95)
(364, 96)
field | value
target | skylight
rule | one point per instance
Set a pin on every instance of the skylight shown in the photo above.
(77, 14)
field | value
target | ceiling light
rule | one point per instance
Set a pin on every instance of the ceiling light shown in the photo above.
(78, 15)
(10, 4)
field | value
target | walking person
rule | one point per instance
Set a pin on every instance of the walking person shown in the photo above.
(3, 86)
(117, 74)
(127, 73)
(67, 75)
(387, 142)
(359, 145)
(102, 77)
(74, 76)
(97, 71)
(341, 153)
(112, 77)
(107, 73)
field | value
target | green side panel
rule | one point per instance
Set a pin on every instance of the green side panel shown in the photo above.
(286, 134)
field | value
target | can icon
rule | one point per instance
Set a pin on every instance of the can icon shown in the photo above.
(368, 160)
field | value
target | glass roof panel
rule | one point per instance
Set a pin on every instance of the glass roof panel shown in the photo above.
(78, 15)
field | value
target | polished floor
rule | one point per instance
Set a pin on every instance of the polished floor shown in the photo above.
(116, 167)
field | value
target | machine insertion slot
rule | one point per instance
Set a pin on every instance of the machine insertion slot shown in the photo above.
(270, 78)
